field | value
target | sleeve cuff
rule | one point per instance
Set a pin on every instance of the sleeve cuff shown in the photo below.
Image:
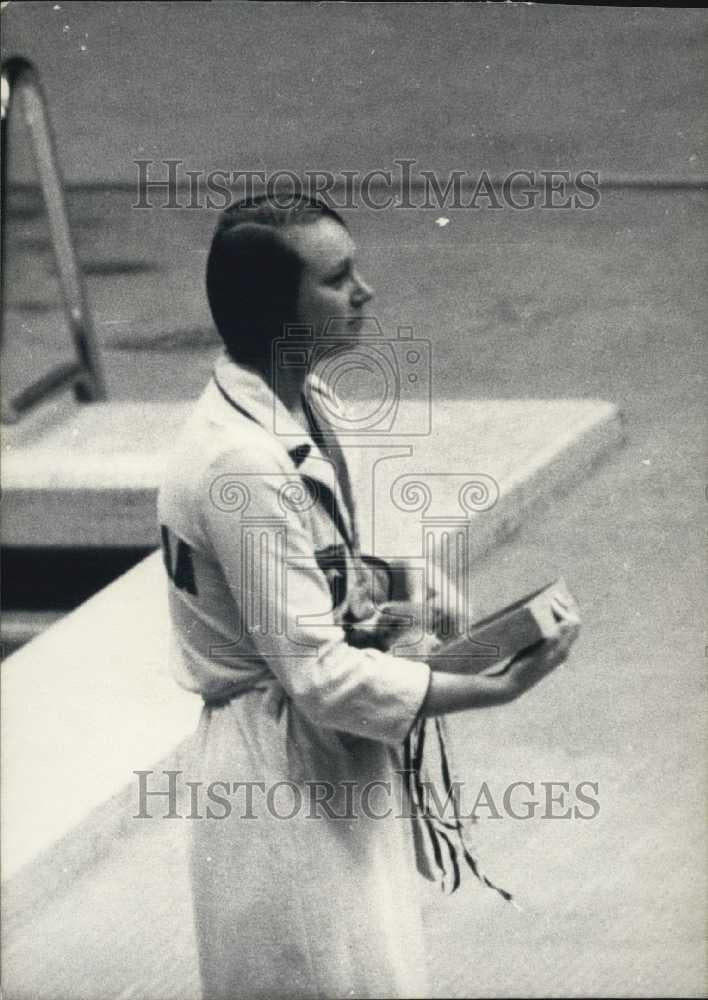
(415, 678)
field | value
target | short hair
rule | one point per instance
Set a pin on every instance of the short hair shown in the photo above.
(253, 274)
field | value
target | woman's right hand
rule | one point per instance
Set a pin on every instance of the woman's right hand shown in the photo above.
(528, 668)
(525, 671)
(457, 692)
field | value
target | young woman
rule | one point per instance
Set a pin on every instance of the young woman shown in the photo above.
(304, 860)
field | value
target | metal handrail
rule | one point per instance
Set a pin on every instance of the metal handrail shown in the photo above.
(20, 81)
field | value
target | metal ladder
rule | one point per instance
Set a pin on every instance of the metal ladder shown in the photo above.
(20, 84)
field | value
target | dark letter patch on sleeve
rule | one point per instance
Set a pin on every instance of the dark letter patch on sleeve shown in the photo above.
(181, 572)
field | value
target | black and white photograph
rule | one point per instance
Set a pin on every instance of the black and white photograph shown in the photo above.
(353, 468)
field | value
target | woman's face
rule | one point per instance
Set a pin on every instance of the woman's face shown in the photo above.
(332, 293)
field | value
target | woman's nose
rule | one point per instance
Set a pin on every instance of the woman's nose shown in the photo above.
(362, 293)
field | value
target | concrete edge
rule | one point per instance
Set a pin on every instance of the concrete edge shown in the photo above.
(521, 500)
(56, 868)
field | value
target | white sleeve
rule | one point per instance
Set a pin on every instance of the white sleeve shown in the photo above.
(259, 531)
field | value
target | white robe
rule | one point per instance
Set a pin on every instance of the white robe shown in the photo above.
(313, 905)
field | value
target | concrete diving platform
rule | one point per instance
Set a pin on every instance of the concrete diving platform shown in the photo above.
(86, 475)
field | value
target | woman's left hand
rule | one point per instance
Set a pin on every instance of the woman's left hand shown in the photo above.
(395, 625)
